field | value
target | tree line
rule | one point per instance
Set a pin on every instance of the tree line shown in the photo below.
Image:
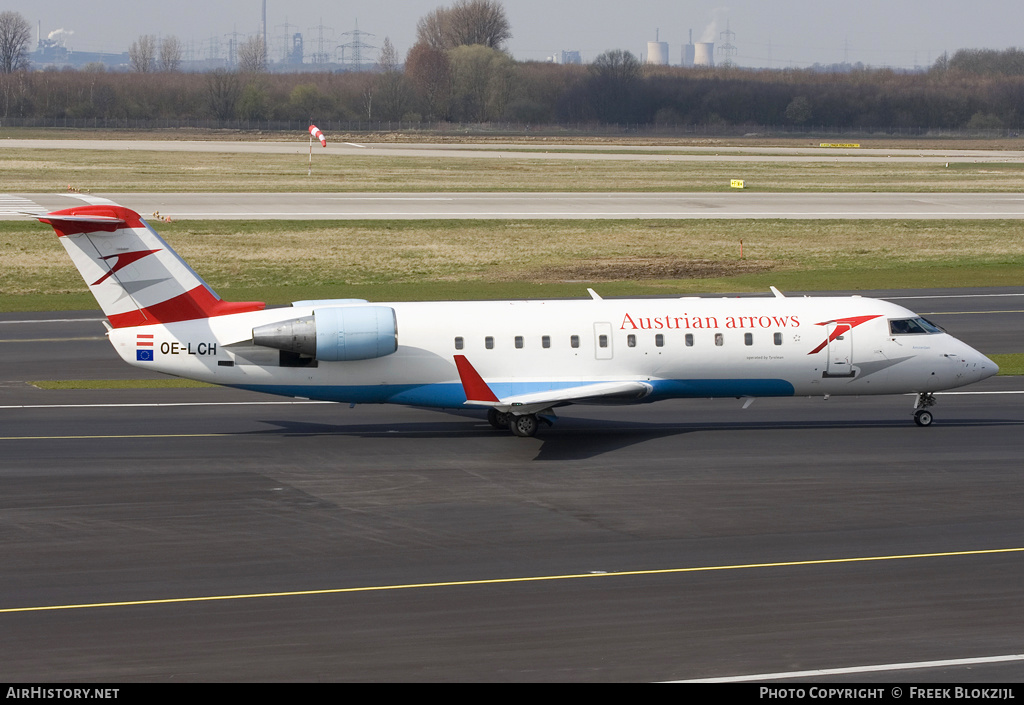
(459, 71)
(476, 84)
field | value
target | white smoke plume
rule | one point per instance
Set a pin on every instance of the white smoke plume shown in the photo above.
(60, 36)
(719, 17)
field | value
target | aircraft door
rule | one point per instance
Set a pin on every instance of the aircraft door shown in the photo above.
(603, 341)
(840, 350)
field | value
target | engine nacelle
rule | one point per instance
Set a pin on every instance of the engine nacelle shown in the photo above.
(334, 334)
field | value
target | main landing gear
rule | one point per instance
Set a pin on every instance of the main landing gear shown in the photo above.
(923, 417)
(524, 426)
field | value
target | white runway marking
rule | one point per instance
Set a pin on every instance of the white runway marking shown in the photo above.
(157, 404)
(295, 403)
(861, 669)
(16, 205)
(54, 320)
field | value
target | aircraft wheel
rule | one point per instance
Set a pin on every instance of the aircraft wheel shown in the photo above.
(923, 417)
(497, 419)
(523, 426)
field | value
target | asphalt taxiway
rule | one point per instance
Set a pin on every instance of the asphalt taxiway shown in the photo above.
(211, 534)
(545, 151)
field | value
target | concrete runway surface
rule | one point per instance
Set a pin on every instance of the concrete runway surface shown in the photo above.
(405, 206)
(210, 534)
(811, 152)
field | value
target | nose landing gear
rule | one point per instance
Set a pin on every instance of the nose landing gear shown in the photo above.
(923, 417)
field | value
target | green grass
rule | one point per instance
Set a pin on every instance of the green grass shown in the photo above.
(283, 261)
(132, 170)
(1009, 365)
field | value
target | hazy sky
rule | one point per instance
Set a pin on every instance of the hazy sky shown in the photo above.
(900, 33)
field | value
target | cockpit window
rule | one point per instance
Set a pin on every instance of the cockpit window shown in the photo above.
(912, 326)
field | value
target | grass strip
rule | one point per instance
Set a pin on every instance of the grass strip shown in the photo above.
(1010, 365)
(283, 261)
(133, 170)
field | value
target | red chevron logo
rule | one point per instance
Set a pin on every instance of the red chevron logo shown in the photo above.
(123, 259)
(852, 322)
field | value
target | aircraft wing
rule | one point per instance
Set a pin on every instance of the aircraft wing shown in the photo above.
(478, 393)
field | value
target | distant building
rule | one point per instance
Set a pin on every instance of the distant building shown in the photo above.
(566, 57)
(704, 54)
(689, 51)
(51, 55)
(657, 53)
(296, 56)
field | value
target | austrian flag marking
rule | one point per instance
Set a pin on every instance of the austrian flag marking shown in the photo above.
(144, 347)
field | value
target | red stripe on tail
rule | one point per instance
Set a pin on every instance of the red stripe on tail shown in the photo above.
(198, 303)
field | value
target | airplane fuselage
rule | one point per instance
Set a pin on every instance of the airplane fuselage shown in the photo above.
(688, 347)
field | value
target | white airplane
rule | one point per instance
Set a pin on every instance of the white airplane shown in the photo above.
(518, 360)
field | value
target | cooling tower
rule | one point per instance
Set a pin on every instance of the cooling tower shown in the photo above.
(704, 54)
(657, 53)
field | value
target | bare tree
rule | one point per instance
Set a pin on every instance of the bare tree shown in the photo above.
(612, 85)
(142, 54)
(432, 29)
(430, 73)
(15, 33)
(252, 55)
(170, 53)
(222, 92)
(466, 22)
(480, 22)
(391, 84)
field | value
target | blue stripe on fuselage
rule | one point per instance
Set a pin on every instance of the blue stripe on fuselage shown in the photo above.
(451, 395)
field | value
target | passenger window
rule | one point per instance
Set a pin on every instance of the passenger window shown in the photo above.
(602, 341)
(778, 338)
(689, 340)
(719, 339)
(631, 340)
(458, 343)
(574, 341)
(489, 343)
(519, 342)
(659, 340)
(545, 341)
(748, 338)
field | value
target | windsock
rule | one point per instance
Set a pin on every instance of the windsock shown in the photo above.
(315, 131)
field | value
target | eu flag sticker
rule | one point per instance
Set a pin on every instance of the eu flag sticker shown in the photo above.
(144, 347)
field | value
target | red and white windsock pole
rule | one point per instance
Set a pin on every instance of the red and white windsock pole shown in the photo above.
(314, 131)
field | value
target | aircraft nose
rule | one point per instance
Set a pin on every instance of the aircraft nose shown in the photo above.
(981, 367)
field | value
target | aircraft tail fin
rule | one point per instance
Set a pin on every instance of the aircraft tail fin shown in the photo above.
(134, 274)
